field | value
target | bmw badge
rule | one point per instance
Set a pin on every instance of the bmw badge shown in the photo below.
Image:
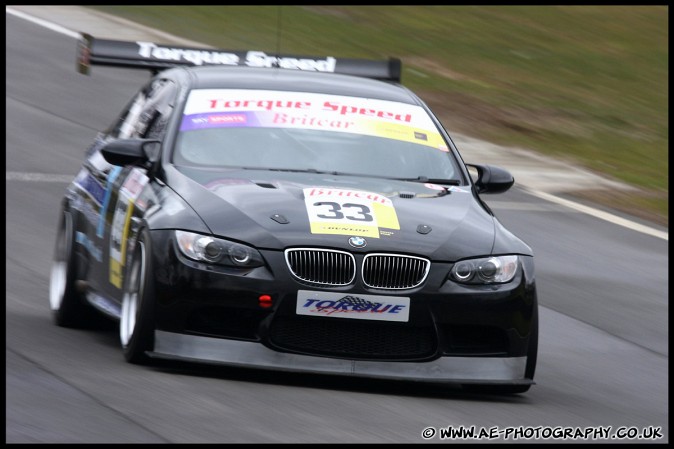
(357, 242)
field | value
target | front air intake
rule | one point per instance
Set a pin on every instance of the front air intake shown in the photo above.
(321, 266)
(393, 271)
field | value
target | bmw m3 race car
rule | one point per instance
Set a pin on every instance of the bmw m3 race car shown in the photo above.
(292, 213)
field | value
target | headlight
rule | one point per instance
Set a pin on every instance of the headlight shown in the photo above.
(205, 248)
(487, 270)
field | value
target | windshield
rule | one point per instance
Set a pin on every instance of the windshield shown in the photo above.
(313, 132)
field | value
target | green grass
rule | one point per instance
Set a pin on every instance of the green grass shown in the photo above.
(585, 83)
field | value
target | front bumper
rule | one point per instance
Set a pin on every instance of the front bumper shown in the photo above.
(455, 333)
(174, 346)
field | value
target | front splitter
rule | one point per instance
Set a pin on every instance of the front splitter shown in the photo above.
(192, 348)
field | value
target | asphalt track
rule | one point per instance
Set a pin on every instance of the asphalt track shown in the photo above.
(603, 289)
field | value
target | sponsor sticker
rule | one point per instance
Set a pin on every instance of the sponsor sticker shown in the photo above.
(91, 186)
(357, 306)
(150, 50)
(349, 212)
(119, 233)
(112, 175)
(226, 108)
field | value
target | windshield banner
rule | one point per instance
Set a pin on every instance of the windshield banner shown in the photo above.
(221, 108)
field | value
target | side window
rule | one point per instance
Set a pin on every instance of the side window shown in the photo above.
(123, 127)
(147, 113)
(157, 110)
(145, 116)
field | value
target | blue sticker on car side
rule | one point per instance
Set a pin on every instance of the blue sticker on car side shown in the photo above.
(90, 246)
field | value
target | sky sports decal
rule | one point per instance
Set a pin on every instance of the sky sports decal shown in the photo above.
(362, 307)
(350, 212)
(223, 108)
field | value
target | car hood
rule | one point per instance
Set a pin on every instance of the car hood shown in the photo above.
(277, 210)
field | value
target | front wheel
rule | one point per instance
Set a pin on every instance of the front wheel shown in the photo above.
(136, 325)
(67, 305)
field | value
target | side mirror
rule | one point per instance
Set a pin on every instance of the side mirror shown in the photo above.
(492, 179)
(131, 151)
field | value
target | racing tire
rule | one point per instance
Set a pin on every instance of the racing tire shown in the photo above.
(66, 303)
(136, 324)
(529, 371)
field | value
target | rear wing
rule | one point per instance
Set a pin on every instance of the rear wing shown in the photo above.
(157, 57)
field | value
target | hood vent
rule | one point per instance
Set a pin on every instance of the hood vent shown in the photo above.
(266, 185)
(278, 218)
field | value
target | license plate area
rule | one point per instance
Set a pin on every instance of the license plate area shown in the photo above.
(356, 306)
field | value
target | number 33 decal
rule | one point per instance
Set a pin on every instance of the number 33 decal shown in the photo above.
(350, 211)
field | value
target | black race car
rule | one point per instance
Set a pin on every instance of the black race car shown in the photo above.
(292, 213)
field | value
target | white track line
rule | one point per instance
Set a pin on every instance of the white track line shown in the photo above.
(37, 177)
(44, 23)
(600, 214)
